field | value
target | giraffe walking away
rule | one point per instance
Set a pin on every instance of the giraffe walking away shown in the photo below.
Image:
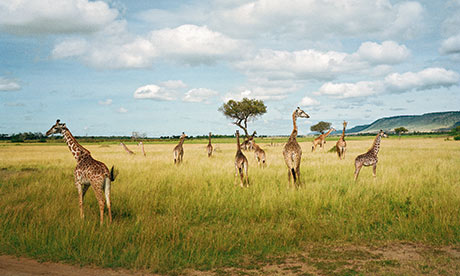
(341, 145)
(259, 154)
(292, 151)
(142, 148)
(321, 140)
(88, 172)
(209, 146)
(179, 150)
(130, 152)
(247, 144)
(370, 157)
(241, 163)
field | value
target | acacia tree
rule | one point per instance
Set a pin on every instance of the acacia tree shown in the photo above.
(400, 130)
(321, 127)
(243, 111)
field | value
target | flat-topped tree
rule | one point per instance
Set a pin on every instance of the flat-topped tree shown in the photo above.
(400, 130)
(243, 111)
(321, 127)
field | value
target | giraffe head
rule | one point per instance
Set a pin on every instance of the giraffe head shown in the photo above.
(183, 135)
(300, 113)
(383, 134)
(56, 128)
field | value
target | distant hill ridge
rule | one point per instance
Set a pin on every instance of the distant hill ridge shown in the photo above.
(428, 122)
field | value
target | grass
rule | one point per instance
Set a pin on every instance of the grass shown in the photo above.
(168, 218)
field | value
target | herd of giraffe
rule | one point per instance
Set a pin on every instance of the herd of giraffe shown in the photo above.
(90, 172)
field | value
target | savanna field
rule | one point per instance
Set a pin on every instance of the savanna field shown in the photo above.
(170, 219)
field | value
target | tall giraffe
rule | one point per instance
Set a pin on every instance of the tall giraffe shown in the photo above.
(126, 148)
(321, 140)
(88, 172)
(241, 162)
(370, 157)
(341, 145)
(259, 153)
(179, 150)
(292, 151)
(142, 148)
(209, 146)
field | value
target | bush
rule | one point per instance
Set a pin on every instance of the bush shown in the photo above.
(457, 138)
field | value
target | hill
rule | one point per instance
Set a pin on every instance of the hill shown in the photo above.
(428, 122)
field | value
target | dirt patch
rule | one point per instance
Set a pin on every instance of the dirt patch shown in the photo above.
(320, 259)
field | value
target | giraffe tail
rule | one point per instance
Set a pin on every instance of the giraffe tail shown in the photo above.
(113, 174)
(293, 175)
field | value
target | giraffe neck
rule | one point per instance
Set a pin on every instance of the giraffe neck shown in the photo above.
(181, 141)
(327, 133)
(238, 146)
(209, 139)
(294, 130)
(343, 133)
(376, 146)
(76, 149)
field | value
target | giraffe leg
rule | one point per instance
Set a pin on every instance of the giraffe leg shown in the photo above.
(357, 169)
(107, 197)
(99, 192)
(241, 176)
(374, 170)
(246, 174)
(80, 198)
(297, 172)
(289, 178)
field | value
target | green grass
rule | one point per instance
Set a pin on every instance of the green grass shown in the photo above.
(168, 218)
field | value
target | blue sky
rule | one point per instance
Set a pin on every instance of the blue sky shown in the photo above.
(163, 67)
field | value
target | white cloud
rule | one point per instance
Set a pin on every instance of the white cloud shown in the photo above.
(307, 101)
(153, 92)
(313, 19)
(451, 45)
(9, 84)
(198, 95)
(122, 110)
(54, 16)
(394, 83)
(314, 64)
(106, 102)
(173, 84)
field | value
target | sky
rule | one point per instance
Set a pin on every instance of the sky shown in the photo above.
(165, 67)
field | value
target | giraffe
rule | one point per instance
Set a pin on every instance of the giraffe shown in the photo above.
(292, 151)
(241, 162)
(370, 157)
(142, 148)
(247, 145)
(321, 140)
(179, 150)
(130, 152)
(209, 146)
(259, 153)
(341, 145)
(88, 172)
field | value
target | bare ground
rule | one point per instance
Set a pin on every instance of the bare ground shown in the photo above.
(385, 259)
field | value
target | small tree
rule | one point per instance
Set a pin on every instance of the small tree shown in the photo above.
(400, 130)
(243, 111)
(321, 127)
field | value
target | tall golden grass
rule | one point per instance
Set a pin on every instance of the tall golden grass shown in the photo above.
(167, 218)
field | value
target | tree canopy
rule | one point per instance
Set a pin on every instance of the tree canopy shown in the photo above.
(321, 127)
(243, 111)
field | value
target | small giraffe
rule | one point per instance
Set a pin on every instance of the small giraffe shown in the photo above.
(292, 151)
(126, 148)
(321, 140)
(370, 157)
(142, 148)
(241, 162)
(259, 153)
(341, 145)
(209, 146)
(179, 150)
(88, 172)
(247, 145)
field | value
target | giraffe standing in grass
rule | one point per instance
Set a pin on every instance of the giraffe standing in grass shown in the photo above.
(130, 152)
(247, 144)
(88, 172)
(241, 163)
(321, 140)
(259, 153)
(179, 150)
(292, 151)
(341, 145)
(370, 157)
(209, 146)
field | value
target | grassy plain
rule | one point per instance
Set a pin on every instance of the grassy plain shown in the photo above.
(168, 218)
